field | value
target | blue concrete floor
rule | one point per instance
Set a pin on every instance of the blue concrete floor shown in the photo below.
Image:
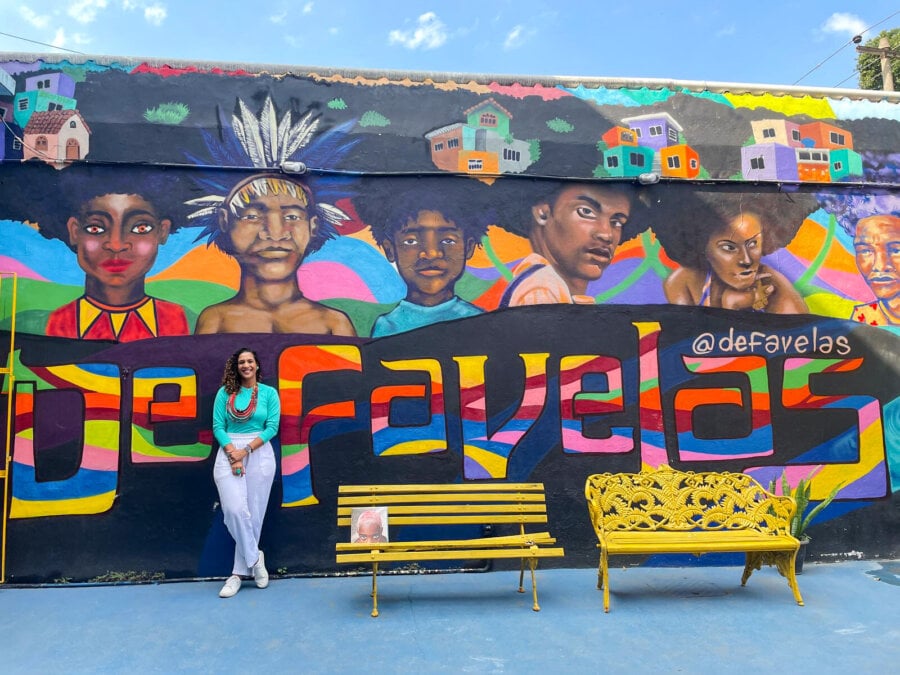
(662, 620)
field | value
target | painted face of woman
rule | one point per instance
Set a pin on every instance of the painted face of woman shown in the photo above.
(117, 238)
(734, 251)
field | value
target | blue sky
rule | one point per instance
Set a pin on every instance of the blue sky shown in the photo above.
(758, 41)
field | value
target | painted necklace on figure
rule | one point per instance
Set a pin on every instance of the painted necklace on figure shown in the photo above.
(242, 415)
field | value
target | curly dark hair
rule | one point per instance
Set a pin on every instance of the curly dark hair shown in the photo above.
(387, 204)
(515, 197)
(36, 192)
(231, 378)
(686, 218)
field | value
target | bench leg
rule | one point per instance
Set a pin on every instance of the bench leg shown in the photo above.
(787, 569)
(374, 589)
(604, 578)
(521, 575)
(532, 562)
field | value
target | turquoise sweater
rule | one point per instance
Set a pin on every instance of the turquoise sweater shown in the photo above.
(263, 422)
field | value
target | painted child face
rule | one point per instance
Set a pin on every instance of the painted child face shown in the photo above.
(877, 244)
(431, 254)
(270, 232)
(580, 231)
(117, 237)
(735, 250)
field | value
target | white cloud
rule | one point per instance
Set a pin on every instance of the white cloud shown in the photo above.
(35, 19)
(59, 40)
(85, 11)
(278, 18)
(334, 30)
(726, 31)
(155, 14)
(81, 39)
(430, 33)
(128, 5)
(841, 22)
(308, 8)
(517, 37)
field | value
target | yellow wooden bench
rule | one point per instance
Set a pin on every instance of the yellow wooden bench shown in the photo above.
(456, 504)
(670, 511)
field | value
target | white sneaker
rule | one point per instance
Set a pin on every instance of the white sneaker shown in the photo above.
(260, 575)
(231, 587)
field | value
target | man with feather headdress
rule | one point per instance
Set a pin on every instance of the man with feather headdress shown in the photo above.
(269, 222)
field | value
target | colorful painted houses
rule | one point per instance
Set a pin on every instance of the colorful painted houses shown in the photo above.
(56, 136)
(785, 150)
(645, 143)
(481, 144)
(40, 119)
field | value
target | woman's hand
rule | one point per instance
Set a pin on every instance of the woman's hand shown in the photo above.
(237, 468)
(756, 297)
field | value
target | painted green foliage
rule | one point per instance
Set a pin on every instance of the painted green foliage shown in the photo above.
(560, 126)
(167, 113)
(371, 118)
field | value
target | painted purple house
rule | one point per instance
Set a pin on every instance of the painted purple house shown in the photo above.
(655, 130)
(53, 82)
(10, 133)
(769, 161)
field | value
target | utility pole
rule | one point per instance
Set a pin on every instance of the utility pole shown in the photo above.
(884, 50)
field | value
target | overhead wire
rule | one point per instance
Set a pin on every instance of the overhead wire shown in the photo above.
(842, 47)
(44, 44)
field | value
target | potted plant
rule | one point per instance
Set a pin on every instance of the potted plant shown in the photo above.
(804, 514)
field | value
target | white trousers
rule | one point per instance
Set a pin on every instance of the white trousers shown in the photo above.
(244, 499)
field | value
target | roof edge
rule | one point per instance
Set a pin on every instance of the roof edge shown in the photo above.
(567, 81)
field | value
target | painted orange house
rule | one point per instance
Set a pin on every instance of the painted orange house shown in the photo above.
(813, 164)
(446, 144)
(56, 136)
(679, 161)
(619, 136)
(478, 161)
(824, 135)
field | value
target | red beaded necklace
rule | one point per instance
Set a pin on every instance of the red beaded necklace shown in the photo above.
(245, 414)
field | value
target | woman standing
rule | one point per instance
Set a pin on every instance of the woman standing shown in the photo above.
(245, 419)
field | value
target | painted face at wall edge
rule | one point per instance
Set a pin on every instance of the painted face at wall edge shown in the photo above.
(270, 234)
(117, 238)
(734, 251)
(578, 233)
(877, 244)
(431, 254)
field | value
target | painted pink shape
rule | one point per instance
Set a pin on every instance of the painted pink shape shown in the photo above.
(295, 463)
(521, 91)
(8, 264)
(327, 280)
(573, 440)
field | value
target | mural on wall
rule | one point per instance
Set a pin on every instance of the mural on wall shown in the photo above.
(467, 282)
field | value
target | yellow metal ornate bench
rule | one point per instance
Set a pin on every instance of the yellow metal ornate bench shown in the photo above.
(457, 504)
(670, 511)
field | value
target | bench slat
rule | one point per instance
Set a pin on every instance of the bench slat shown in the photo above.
(473, 488)
(347, 511)
(434, 498)
(456, 554)
(450, 519)
(696, 542)
(487, 542)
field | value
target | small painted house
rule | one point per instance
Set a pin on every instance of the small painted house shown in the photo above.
(619, 136)
(783, 132)
(10, 133)
(51, 82)
(769, 161)
(845, 163)
(813, 164)
(679, 161)
(824, 135)
(56, 137)
(26, 103)
(628, 161)
(489, 115)
(446, 144)
(655, 130)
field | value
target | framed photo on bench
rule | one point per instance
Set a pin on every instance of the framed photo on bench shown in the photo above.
(369, 525)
